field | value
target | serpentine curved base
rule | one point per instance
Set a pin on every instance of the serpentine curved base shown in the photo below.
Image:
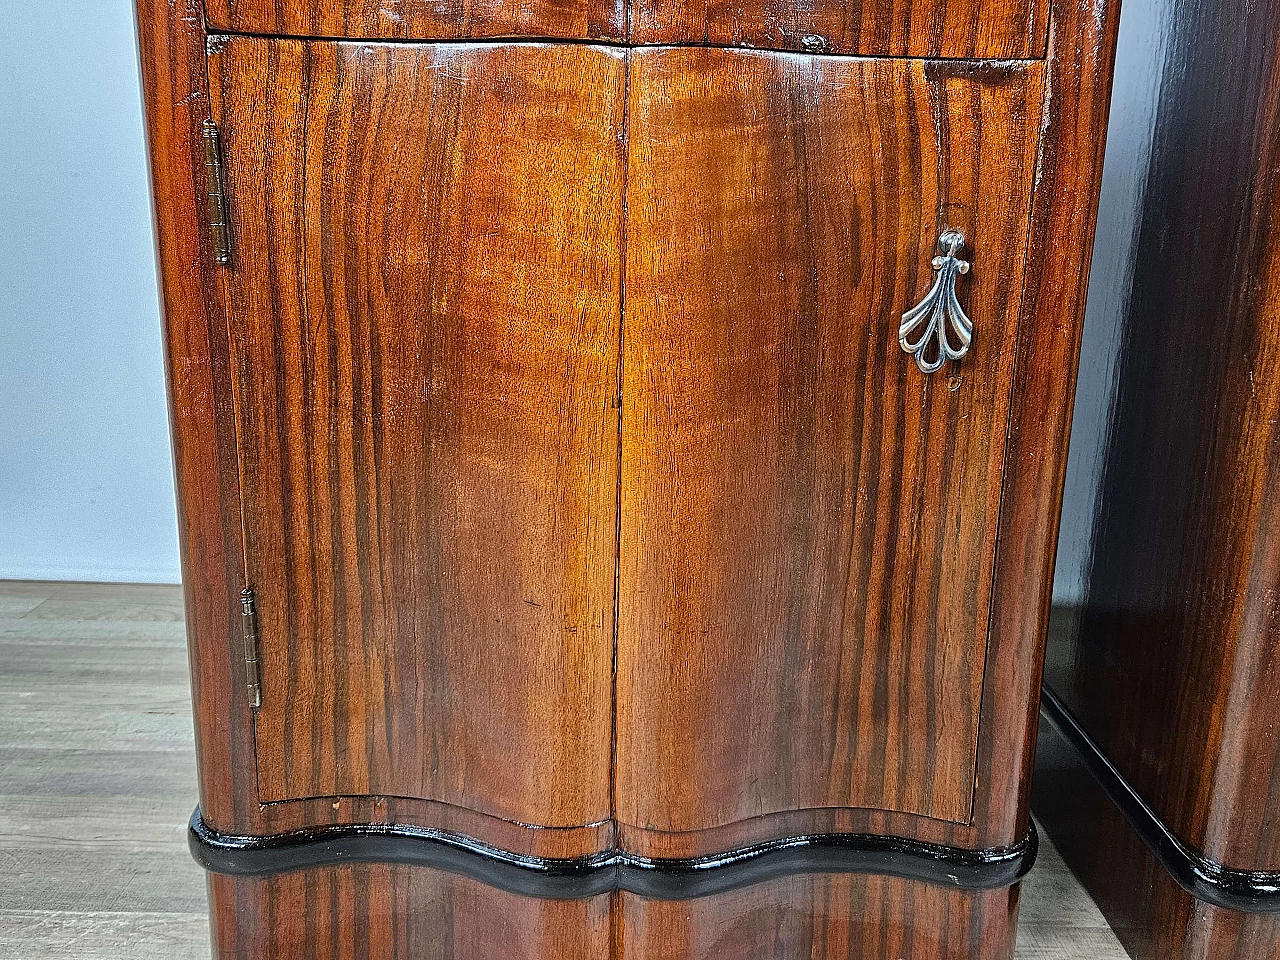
(663, 879)
(1246, 891)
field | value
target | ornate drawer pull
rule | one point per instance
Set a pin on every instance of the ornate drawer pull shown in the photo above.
(939, 310)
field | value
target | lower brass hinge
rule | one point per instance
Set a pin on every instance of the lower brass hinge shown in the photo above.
(252, 673)
(220, 233)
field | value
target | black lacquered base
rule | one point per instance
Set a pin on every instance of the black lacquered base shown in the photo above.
(663, 879)
(1251, 891)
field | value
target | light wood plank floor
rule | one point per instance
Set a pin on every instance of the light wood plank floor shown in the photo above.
(97, 780)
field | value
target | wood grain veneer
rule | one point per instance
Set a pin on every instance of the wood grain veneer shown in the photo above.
(965, 29)
(218, 360)
(1169, 660)
(809, 532)
(426, 294)
(402, 913)
(422, 20)
(203, 412)
(1174, 642)
(1153, 917)
(823, 918)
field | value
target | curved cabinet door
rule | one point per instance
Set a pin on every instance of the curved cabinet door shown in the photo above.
(423, 302)
(808, 521)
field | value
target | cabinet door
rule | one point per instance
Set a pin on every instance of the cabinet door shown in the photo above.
(423, 303)
(808, 521)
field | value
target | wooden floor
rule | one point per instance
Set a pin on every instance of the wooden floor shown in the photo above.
(97, 780)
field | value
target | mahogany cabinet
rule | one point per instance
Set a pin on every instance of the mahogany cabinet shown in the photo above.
(1159, 778)
(619, 448)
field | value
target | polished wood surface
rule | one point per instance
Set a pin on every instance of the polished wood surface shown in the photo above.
(420, 20)
(400, 913)
(208, 467)
(1153, 917)
(1166, 653)
(202, 412)
(1170, 662)
(425, 360)
(97, 760)
(808, 522)
(823, 918)
(1065, 204)
(963, 29)
(172, 43)
(218, 361)
(1069, 165)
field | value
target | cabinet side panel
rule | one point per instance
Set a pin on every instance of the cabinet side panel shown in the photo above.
(1172, 665)
(1153, 917)
(1068, 176)
(172, 44)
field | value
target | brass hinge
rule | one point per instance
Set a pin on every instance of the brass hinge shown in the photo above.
(218, 229)
(249, 620)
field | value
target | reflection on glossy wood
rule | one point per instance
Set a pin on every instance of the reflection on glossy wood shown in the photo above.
(426, 299)
(1173, 667)
(172, 42)
(823, 918)
(1154, 918)
(974, 29)
(1054, 285)
(968, 29)
(173, 56)
(808, 522)
(411, 913)
(1170, 663)
(399, 913)
(1038, 366)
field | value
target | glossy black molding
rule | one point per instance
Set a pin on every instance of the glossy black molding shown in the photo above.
(659, 879)
(1248, 891)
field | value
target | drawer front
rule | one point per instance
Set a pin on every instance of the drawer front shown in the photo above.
(423, 299)
(970, 29)
(421, 20)
(808, 520)
(973, 29)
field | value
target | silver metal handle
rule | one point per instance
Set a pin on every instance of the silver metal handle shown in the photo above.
(939, 313)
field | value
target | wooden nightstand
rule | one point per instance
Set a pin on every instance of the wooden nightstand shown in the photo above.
(589, 552)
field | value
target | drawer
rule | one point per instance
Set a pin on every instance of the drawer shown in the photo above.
(420, 20)
(973, 29)
(970, 29)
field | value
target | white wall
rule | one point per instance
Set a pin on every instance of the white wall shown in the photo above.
(86, 488)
